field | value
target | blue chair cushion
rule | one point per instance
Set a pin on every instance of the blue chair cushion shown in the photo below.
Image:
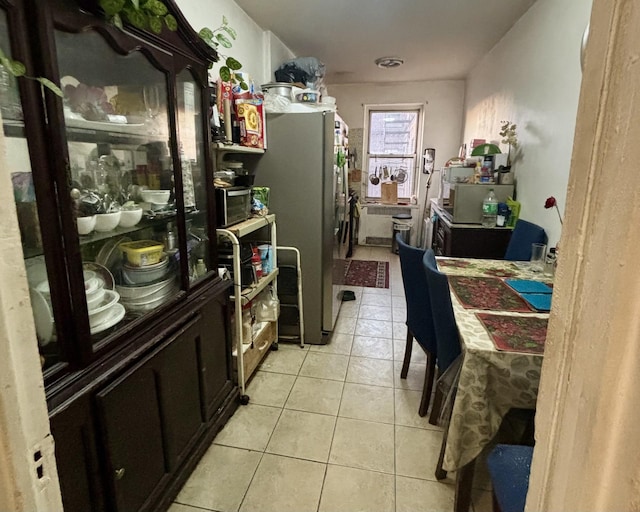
(524, 234)
(509, 467)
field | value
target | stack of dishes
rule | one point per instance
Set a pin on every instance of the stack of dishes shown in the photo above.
(145, 297)
(102, 301)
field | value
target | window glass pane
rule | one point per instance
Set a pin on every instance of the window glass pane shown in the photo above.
(393, 132)
(392, 146)
(391, 169)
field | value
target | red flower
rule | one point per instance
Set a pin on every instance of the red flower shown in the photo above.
(550, 203)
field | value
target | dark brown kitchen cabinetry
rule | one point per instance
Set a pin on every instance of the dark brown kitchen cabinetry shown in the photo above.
(468, 241)
(112, 183)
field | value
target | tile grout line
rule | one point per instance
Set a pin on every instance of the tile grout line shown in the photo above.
(244, 496)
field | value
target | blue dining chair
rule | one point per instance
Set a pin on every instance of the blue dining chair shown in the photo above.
(419, 322)
(509, 467)
(524, 234)
(448, 344)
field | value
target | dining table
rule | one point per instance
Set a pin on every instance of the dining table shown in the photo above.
(501, 310)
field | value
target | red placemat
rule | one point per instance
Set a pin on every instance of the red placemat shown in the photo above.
(487, 293)
(516, 333)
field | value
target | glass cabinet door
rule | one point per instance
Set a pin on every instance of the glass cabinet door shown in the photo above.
(122, 179)
(19, 167)
(194, 181)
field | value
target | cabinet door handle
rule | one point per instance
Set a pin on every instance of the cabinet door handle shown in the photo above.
(119, 473)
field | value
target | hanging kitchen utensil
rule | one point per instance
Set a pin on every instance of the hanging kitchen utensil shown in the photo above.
(401, 175)
(374, 179)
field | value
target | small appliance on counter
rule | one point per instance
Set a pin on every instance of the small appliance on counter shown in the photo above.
(233, 205)
(464, 206)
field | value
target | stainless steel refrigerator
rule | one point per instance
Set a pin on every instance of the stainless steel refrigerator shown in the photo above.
(308, 194)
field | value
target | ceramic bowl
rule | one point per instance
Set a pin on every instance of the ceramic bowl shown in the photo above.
(129, 218)
(86, 224)
(107, 221)
(101, 312)
(95, 298)
(155, 196)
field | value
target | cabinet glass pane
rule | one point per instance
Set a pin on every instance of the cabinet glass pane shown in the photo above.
(117, 122)
(192, 141)
(19, 166)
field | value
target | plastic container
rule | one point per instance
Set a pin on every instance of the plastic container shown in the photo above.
(256, 261)
(489, 210)
(265, 256)
(142, 252)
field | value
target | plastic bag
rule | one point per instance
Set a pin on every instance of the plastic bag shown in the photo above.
(306, 70)
(267, 307)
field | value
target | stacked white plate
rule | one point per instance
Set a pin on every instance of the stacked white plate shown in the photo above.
(149, 296)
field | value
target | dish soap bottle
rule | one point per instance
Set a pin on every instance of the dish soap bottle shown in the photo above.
(489, 210)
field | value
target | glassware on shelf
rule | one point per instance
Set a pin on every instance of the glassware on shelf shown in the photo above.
(151, 98)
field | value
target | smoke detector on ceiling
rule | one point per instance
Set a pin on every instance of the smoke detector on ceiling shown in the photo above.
(389, 62)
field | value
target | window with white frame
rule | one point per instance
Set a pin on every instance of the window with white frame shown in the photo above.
(392, 145)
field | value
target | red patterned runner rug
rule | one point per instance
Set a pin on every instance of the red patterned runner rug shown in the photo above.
(487, 293)
(371, 274)
(516, 333)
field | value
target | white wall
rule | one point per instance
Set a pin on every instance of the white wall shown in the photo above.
(444, 111)
(532, 77)
(259, 52)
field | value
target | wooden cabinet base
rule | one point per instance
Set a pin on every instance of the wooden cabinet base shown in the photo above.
(129, 440)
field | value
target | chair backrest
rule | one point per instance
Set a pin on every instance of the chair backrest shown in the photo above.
(444, 322)
(419, 320)
(524, 234)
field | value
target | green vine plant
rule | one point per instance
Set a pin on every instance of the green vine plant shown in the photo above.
(153, 14)
(222, 36)
(18, 69)
(143, 14)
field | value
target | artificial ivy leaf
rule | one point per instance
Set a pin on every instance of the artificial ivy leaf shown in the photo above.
(157, 8)
(171, 22)
(244, 86)
(233, 63)
(225, 74)
(223, 41)
(155, 24)
(232, 33)
(117, 21)
(136, 4)
(15, 68)
(206, 34)
(137, 18)
(112, 7)
(50, 85)
(225, 21)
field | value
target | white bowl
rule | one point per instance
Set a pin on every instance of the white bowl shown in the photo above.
(107, 221)
(155, 196)
(100, 313)
(95, 298)
(129, 218)
(86, 224)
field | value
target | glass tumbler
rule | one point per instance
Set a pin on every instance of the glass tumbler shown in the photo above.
(538, 252)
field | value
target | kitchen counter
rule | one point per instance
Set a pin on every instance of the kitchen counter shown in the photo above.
(466, 240)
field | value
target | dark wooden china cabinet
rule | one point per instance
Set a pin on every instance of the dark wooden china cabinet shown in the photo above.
(117, 221)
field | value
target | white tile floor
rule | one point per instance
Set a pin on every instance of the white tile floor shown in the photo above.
(333, 428)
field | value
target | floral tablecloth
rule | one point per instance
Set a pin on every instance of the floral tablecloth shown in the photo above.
(491, 381)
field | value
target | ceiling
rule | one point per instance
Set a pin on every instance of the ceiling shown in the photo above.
(438, 39)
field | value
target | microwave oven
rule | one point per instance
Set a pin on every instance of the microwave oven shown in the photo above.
(465, 201)
(233, 205)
